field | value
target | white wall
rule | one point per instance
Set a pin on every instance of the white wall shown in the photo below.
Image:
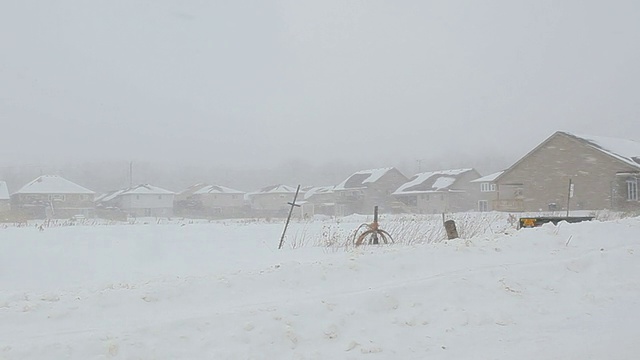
(146, 201)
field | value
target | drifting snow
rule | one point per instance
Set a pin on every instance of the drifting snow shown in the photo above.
(222, 291)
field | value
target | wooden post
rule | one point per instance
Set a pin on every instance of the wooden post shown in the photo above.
(374, 235)
(450, 227)
(293, 204)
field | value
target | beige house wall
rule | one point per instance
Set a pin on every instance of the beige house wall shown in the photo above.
(542, 177)
(60, 206)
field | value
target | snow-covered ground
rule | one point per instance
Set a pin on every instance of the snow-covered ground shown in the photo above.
(222, 290)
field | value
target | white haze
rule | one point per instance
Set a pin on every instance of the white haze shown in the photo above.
(239, 87)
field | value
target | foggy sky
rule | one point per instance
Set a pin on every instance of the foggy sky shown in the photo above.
(259, 83)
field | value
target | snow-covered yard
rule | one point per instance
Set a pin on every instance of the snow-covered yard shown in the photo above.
(223, 291)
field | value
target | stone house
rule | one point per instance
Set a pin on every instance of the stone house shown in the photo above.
(139, 201)
(53, 197)
(488, 191)
(364, 189)
(603, 172)
(442, 191)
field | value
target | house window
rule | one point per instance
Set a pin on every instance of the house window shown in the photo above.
(234, 197)
(632, 190)
(487, 187)
(159, 197)
(56, 197)
(483, 205)
(425, 197)
(137, 197)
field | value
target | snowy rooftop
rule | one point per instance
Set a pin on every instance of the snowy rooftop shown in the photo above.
(53, 184)
(146, 189)
(488, 178)
(141, 189)
(274, 189)
(318, 190)
(4, 191)
(361, 178)
(432, 181)
(109, 196)
(217, 189)
(625, 150)
(192, 189)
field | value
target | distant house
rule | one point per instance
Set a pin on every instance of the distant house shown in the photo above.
(604, 172)
(5, 199)
(219, 201)
(488, 194)
(51, 196)
(272, 200)
(440, 191)
(319, 200)
(185, 205)
(139, 201)
(363, 190)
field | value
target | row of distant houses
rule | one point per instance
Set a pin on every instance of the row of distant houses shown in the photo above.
(583, 172)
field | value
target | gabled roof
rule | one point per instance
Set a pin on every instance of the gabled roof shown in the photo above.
(429, 182)
(318, 190)
(488, 178)
(146, 189)
(217, 189)
(53, 184)
(274, 189)
(360, 179)
(625, 150)
(4, 191)
(192, 189)
(109, 196)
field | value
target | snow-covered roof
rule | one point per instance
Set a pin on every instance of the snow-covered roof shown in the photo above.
(192, 189)
(432, 181)
(274, 189)
(625, 150)
(217, 189)
(488, 178)
(4, 191)
(359, 179)
(53, 184)
(146, 189)
(318, 190)
(142, 189)
(109, 196)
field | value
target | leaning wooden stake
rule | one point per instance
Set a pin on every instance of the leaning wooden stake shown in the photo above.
(293, 204)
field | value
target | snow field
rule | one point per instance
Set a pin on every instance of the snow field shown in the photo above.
(222, 291)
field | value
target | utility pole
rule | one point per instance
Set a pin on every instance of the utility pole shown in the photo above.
(569, 196)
